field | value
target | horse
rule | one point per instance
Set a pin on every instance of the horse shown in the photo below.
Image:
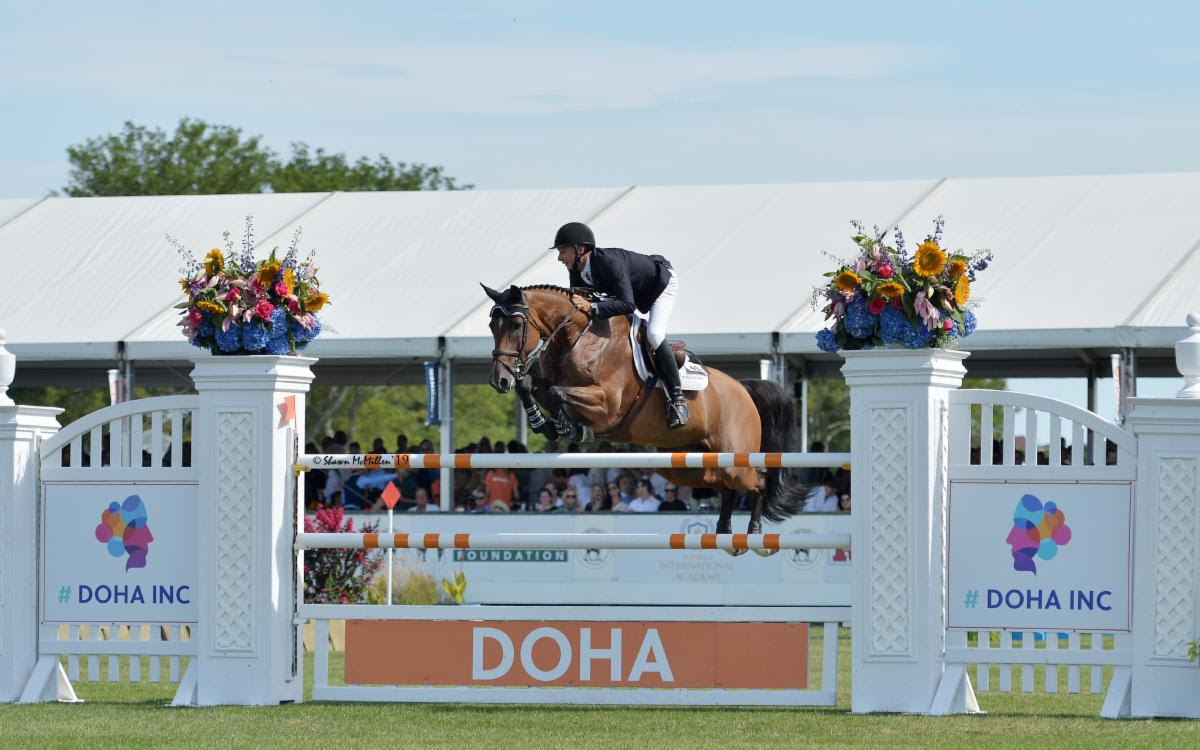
(580, 370)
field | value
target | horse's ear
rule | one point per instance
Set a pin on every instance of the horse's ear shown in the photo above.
(491, 292)
(514, 295)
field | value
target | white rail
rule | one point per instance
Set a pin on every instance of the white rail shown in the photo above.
(355, 540)
(568, 460)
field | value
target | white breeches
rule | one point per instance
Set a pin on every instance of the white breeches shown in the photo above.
(660, 312)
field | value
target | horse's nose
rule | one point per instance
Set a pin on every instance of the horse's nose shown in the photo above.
(503, 384)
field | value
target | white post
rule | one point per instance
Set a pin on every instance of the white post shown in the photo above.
(1166, 544)
(243, 452)
(898, 413)
(22, 429)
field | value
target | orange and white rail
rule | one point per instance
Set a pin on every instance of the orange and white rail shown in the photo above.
(359, 540)
(568, 460)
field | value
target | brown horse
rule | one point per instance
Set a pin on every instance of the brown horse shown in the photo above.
(580, 370)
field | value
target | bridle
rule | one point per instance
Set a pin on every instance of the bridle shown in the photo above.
(524, 364)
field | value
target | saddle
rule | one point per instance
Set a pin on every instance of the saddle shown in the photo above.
(692, 374)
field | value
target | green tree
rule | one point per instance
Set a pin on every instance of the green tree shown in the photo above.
(829, 410)
(200, 158)
(314, 172)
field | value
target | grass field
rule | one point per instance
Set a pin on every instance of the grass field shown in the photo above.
(121, 715)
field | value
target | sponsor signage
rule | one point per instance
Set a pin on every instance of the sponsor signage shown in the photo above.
(119, 553)
(1040, 556)
(578, 654)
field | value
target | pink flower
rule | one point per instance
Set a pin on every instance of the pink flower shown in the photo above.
(281, 288)
(195, 316)
(947, 324)
(898, 303)
(234, 295)
(876, 305)
(293, 305)
(927, 312)
(264, 309)
(886, 272)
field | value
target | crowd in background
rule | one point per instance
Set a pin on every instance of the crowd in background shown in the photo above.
(529, 490)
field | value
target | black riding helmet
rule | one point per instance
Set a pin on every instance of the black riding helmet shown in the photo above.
(574, 233)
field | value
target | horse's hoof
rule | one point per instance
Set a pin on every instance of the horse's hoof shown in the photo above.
(766, 552)
(735, 552)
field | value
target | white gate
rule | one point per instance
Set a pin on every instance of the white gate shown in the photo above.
(1041, 442)
(136, 444)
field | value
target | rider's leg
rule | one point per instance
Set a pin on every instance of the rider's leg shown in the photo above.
(656, 332)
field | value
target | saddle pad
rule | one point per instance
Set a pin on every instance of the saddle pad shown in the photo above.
(692, 376)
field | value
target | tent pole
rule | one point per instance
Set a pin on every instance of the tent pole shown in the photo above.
(446, 432)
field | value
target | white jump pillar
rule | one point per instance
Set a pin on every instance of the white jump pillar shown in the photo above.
(1166, 543)
(22, 429)
(898, 429)
(243, 449)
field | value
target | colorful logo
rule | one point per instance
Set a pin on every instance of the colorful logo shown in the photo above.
(1038, 531)
(123, 530)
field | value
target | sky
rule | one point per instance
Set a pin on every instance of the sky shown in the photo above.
(550, 94)
(522, 93)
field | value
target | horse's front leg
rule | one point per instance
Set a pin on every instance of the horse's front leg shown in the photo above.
(725, 520)
(590, 405)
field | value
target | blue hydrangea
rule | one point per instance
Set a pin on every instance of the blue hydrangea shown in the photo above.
(206, 329)
(859, 321)
(893, 325)
(278, 322)
(968, 326)
(254, 336)
(917, 336)
(231, 340)
(278, 345)
(826, 341)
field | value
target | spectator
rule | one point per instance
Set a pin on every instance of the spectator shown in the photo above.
(339, 442)
(485, 445)
(479, 502)
(501, 484)
(402, 443)
(844, 503)
(570, 501)
(547, 502)
(377, 446)
(423, 505)
(644, 500)
(578, 482)
(599, 499)
(822, 498)
(672, 501)
(615, 501)
(626, 484)
(426, 477)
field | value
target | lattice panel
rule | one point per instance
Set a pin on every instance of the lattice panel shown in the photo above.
(889, 532)
(941, 499)
(235, 529)
(1174, 592)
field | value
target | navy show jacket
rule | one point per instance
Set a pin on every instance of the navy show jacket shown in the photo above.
(630, 280)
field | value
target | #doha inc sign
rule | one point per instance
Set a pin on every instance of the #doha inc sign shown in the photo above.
(578, 654)
(119, 553)
(1040, 556)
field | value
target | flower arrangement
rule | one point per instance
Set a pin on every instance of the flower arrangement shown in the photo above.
(886, 296)
(337, 576)
(239, 305)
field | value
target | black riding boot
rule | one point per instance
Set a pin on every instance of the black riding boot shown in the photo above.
(677, 411)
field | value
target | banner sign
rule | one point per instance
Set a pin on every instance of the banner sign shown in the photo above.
(433, 376)
(119, 553)
(578, 654)
(1040, 556)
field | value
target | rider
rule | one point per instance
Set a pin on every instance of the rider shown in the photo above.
(631, 281)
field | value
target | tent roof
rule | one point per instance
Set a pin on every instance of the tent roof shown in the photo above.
(1083, 265)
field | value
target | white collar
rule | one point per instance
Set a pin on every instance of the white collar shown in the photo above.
(586, 273)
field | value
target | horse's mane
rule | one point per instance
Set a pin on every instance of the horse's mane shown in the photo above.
(549, 287)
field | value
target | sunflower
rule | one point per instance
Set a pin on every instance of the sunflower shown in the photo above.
(289, 279)
(847, 281)
(316, 301)
(930, 259)
(186, 284)
(213, 262)
(962, 290)
(211, 307)
(267, 274)
(958, 266)
(890, 289)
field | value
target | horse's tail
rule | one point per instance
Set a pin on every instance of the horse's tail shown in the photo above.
(784, 497)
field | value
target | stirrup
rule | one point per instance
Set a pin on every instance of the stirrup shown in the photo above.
(677, 414)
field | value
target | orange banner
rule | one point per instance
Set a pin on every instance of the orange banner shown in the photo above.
(573, 653)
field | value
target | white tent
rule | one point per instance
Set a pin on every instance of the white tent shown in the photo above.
(1085, 266)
